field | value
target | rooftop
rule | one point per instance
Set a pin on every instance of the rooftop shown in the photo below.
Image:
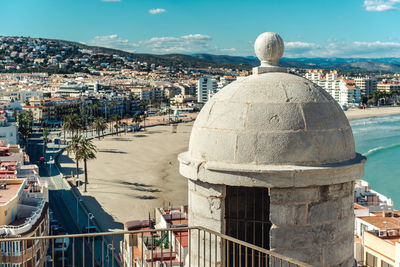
(10, 190)
(382, 222)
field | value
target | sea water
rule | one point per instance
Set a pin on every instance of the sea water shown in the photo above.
(378, 138)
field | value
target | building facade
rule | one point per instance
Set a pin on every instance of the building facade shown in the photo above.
(206, 87)
(23, 210)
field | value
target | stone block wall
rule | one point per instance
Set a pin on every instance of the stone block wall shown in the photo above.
(207, 209)
(314, 224)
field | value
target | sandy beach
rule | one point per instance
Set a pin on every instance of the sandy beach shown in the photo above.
(371, 112)
(136, 172)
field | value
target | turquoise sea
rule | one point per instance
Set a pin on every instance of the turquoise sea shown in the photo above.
(378, 139)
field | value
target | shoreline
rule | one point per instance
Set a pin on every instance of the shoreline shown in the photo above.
(354, 114)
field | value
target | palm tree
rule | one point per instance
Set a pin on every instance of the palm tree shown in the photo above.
(114, 118)
(137, 119)
(86, 151)
(73, 147)
(99, 124)
(24, 126)
(72, 123)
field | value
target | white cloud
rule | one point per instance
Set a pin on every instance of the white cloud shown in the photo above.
(186, 44)
(343, 49)
(113, 41)
(157, 11)
(381, 5)
(191, 43)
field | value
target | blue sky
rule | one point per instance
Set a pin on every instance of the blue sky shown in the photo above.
(310, 28)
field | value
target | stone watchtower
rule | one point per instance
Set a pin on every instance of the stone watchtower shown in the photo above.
(272, 162)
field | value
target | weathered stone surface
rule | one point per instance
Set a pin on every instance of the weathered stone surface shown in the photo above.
(208, 207)
(198, 220)
(340, 190)
(285, 147)
(315, 93)
(347, 263)
(323, 211)
(312, 256)
(274, 117)
(288, 214)
(213, 144)
(291, 237)
(347, 208)
(225, 115)
(294, 195)
(335, 254)
(245, 147)
(321, 116)
(206, 189)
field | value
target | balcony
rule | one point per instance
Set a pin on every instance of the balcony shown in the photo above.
(183, 246)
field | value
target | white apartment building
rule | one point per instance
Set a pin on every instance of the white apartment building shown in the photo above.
(206, 88)
(344, 91)
(148, 93)
(8, 131)
(367, 85)
(387, 86)
(350, 94)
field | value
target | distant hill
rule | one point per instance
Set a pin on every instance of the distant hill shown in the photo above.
(231, 62)
(361, 64)
(210, 60)
(173, 60)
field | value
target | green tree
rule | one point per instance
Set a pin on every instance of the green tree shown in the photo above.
(86, 151)
(99, 124)
(25, 120)
(137, 119)
(73, 147)
(46, 134)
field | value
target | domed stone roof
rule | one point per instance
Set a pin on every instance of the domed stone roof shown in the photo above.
(271, 129)
(272, 118)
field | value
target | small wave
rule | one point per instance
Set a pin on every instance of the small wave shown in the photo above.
(375, 120)
(379, 149)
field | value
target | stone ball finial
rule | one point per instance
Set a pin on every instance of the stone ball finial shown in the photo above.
(269, 48)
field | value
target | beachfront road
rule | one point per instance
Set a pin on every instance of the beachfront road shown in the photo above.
(68, 210)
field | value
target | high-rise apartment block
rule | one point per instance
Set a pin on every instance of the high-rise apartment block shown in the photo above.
(367, 85)
(206, 86)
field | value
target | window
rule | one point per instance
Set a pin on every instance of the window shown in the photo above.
(247, 218)
(372, 261)
(385, 264)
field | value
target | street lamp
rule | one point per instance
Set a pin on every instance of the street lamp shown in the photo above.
(50, 162)
(77, 215)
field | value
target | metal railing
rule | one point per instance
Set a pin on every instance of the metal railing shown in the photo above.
(181, 246)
